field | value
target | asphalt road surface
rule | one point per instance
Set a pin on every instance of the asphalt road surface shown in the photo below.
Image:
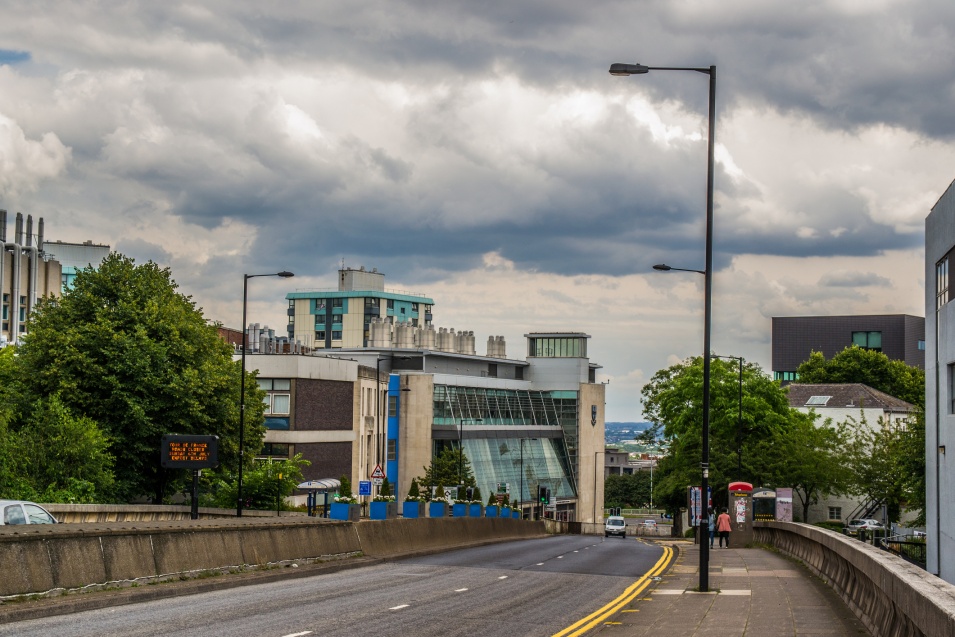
(530, 587)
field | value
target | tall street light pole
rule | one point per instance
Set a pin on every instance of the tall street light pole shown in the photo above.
(245, 343)
(639, 69)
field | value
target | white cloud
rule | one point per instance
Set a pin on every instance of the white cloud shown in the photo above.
(25, 163)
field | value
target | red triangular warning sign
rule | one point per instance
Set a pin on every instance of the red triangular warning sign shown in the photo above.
(377, 473)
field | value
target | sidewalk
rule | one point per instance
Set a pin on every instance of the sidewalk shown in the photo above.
(754, 593)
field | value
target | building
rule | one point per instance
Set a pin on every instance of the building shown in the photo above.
(940, 387)
(345, 318)
(846, 403)
(74, 257)
(521, 423)
(27, 273)
(617, 463)
(899, 336)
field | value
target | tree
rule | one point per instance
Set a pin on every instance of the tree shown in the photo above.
(628, 490)
(123, 348)
(889, 464)
(445, 469)
(810, 458)
(61, 458)
(264, 483)
(673, 401)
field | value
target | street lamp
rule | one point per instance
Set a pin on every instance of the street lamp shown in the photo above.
(245, 338)
(739, 418)
(707, 272)
(521, 492)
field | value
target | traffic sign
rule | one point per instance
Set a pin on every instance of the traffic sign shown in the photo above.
(364, 487)
(377, 473)
(378, 481)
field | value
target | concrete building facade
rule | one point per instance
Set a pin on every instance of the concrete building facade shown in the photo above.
(74, 257)
(940, 387)
(27, 273)
(898, 336)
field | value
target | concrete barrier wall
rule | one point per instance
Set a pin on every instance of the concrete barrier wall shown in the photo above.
(83, 513)
(39, 559)
(890, 596)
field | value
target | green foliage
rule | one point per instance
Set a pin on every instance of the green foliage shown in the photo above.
(439, 493)
(62, 458)
(627, 491)
(126, 350)
(875, 369)
(890, 464)
(263, 484)
(414, 492)
(344, 490)
(476, 496)
(507, 501)
(385, 488)
(446, 467)
(673, 400)
(491, 500)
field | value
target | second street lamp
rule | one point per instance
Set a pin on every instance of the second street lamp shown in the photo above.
(245, 342)
(707, 272)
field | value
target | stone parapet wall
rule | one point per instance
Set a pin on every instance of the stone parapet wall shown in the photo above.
(39, 559)
(890, 596)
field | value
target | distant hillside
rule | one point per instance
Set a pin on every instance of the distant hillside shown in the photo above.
(632, 426)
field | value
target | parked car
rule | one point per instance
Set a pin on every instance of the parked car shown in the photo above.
(864, 524)
(615, 525)
(650, 524)
(23, 512)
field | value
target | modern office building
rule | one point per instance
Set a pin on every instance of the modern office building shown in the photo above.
(74, 257)
(521, 423)
(27, 273)
(940, 387)
(345, 318)
(857, 405)
(899, 336)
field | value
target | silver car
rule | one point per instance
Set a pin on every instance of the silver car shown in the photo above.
(23, 512)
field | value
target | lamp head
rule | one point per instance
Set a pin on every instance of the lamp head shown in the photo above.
(622, 69)
(662, 267)
(285, 274)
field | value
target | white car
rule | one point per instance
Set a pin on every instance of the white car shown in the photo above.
(23, 512)
(615, 525)
(864, 524)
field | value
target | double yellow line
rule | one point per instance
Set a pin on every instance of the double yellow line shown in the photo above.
(601, 614)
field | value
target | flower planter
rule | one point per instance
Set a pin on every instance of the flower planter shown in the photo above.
(459, 510)
(505, 512)
(345, 511)
(383, 510)
(476, 510)
(412, 509)
(437, 509)
(491, 511)
(516, 514)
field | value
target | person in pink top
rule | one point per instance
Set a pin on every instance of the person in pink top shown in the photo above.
(723, 526)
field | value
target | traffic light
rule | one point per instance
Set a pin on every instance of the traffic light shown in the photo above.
(542, 494)
(547, 495)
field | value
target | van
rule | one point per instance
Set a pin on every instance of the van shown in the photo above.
(615, 525)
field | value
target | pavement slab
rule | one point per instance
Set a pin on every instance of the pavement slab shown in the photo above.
(754, 592)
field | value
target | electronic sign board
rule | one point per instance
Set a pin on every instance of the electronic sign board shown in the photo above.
(190, 452)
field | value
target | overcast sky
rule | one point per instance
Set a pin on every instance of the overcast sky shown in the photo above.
(481, 154)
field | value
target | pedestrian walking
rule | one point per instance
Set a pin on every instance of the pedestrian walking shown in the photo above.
(723, 526)
(712, 523)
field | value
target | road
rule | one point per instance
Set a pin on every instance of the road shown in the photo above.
(530, 587)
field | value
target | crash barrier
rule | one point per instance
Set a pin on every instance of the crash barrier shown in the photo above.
(41, 559)
(889, 595)
(80, 513)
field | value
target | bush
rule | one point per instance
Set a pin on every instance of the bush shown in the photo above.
(690, 532)
(832, 525)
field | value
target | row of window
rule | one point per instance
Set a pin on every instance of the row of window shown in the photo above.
(558, 347)
(5, 313)
(321, 334)
(480, 405)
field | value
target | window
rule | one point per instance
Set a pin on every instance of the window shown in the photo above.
(951, 388)
(786, 376)
(818, 401)
(337, 302)
(402, 310)
(277, 404)
(941, 283)
(336, 319)
(275, 449)
(835, 513)
(5, 309)
(868, 340)
(492, 370)
(392, 405)
(320, 305)
(336, 335)
(392, 449)
(391, 304)
(319, 320)
(921, 345)
(320, 335)
(414, 307)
